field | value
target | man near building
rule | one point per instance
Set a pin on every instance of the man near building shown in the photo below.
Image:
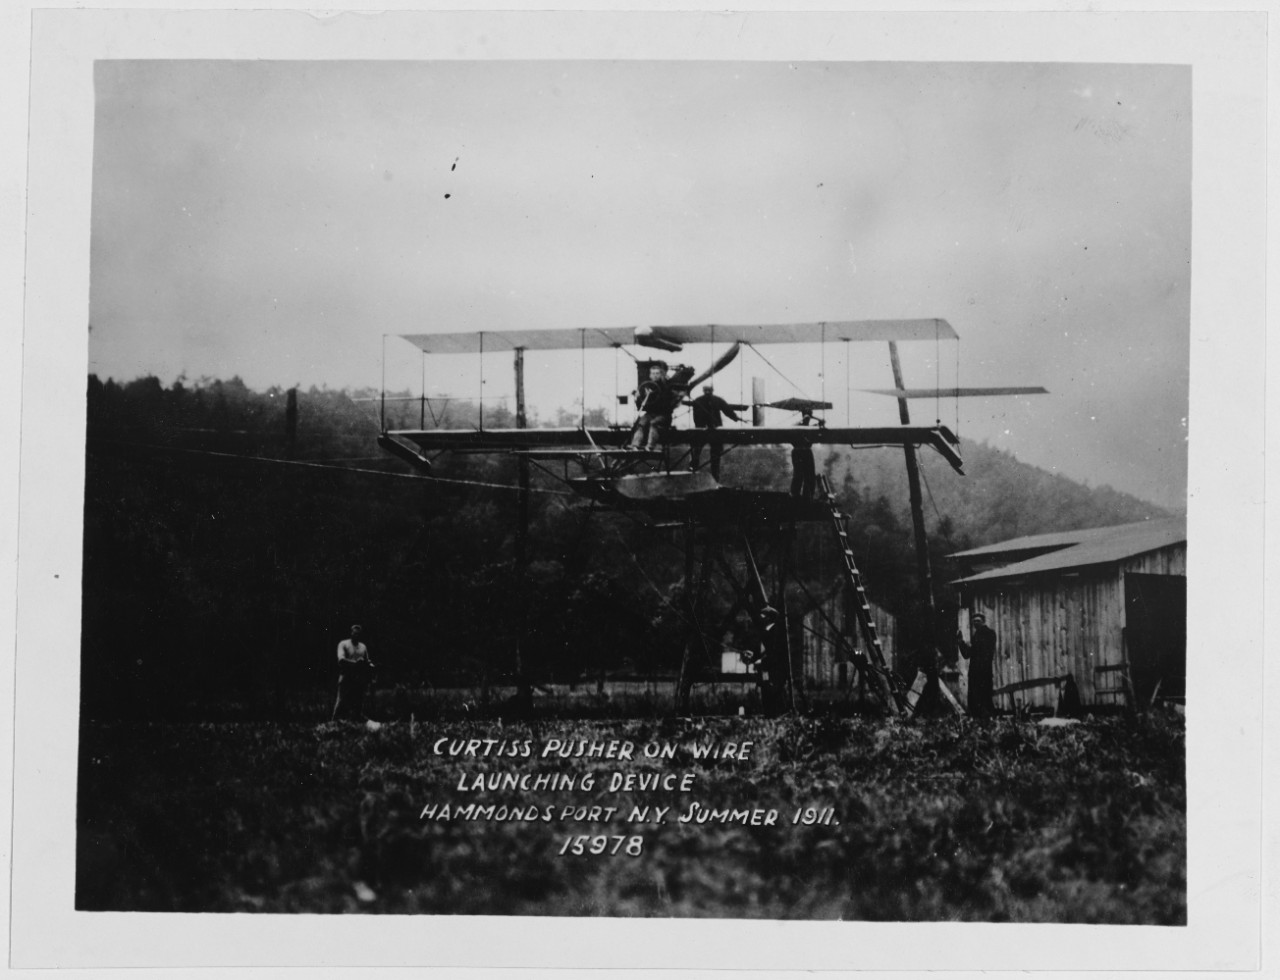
(709, 410)
(980, 651)
(354, 670)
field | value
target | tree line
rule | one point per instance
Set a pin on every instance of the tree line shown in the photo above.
(232, 536)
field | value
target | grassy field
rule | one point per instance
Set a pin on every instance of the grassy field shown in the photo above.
(947, 820)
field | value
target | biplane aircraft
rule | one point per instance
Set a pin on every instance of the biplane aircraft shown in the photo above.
(609, 443)
(669, 484)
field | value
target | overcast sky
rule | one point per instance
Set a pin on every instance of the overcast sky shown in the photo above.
(273, 220)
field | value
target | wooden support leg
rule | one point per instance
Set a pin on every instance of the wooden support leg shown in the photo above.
(684, 684)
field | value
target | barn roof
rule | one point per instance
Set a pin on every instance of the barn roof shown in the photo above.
(1046, 542)
(1074, 549)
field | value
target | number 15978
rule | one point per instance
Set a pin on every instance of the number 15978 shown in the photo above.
(585, 844)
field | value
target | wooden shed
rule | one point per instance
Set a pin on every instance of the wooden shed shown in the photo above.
(1107, 606)
(825, 660)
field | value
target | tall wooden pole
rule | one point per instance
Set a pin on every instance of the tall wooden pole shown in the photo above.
(757, 401)
(923, 568)
(786, 566)
(291, 422)
(524, 688)
(521, 421)
(684, 682)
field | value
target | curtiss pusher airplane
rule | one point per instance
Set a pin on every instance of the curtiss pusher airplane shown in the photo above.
(670, 484)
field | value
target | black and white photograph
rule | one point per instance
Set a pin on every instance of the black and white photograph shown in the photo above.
(600, 485)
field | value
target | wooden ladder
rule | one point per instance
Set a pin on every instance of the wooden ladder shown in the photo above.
(871, 663)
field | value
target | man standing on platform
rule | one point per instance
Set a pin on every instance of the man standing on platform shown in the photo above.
(709, 410)
(803, 470)
(653, 401)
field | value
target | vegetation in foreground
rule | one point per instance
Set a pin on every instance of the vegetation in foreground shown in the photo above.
(950, 820)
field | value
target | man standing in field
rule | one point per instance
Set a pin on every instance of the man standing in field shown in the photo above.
(980, 651)
(354, 670)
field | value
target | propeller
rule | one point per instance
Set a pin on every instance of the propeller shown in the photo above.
(721, 362)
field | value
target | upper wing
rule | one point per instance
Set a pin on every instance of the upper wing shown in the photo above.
(954, 392)
(667, 337)
(480, 341)
(808, 333)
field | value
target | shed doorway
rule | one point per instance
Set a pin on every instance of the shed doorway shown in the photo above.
(1156, 635)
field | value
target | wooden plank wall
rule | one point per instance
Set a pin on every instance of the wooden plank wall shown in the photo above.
(1064, 623)
(819, 651)
(1053, 627)
(1166, 561)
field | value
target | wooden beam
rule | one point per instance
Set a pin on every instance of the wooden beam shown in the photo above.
(1028, 685)
(523, 691)
(923, 568)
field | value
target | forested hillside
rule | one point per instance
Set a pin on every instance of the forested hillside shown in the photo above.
(997, 498)
(228, 547)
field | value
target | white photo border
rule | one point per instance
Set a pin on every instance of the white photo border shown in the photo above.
(1228, 55)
